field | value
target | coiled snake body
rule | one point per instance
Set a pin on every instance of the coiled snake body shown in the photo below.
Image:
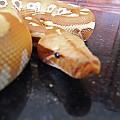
(61, 28)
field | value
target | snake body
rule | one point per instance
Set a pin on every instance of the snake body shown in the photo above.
(61, 28)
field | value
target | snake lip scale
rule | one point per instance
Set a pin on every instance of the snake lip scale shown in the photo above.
(56, 28)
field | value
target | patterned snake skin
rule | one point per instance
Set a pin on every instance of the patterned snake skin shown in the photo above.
(61, 28)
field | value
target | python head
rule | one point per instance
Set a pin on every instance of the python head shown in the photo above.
(68, 53)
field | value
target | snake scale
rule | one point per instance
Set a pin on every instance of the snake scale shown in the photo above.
(61, 29)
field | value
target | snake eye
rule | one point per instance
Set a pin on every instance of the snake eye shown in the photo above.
(57, 55)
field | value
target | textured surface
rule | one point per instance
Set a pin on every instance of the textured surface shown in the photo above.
(44, 93)
(15, 37)
(15, 46)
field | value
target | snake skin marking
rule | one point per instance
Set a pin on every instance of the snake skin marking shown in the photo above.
(50, 8)
(75, 14)
(35, 6)
(79, 27)
(4, 76)
(72, 15)
(61, 11)
(58, 31)
(49, 27)
(17, 4)
(83, 13)
(72, 27)
(28, 18)
(5, 27)
(34, 24)
(49, 23)
(3, 3)
(24, 61)
(85, 10)
(74, 5)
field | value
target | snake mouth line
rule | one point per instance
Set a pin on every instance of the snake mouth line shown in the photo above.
(87, 69)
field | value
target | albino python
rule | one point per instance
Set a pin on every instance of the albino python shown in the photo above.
(61, 28)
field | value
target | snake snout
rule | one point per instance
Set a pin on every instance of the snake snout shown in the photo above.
(77, 68)
(85, 69)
